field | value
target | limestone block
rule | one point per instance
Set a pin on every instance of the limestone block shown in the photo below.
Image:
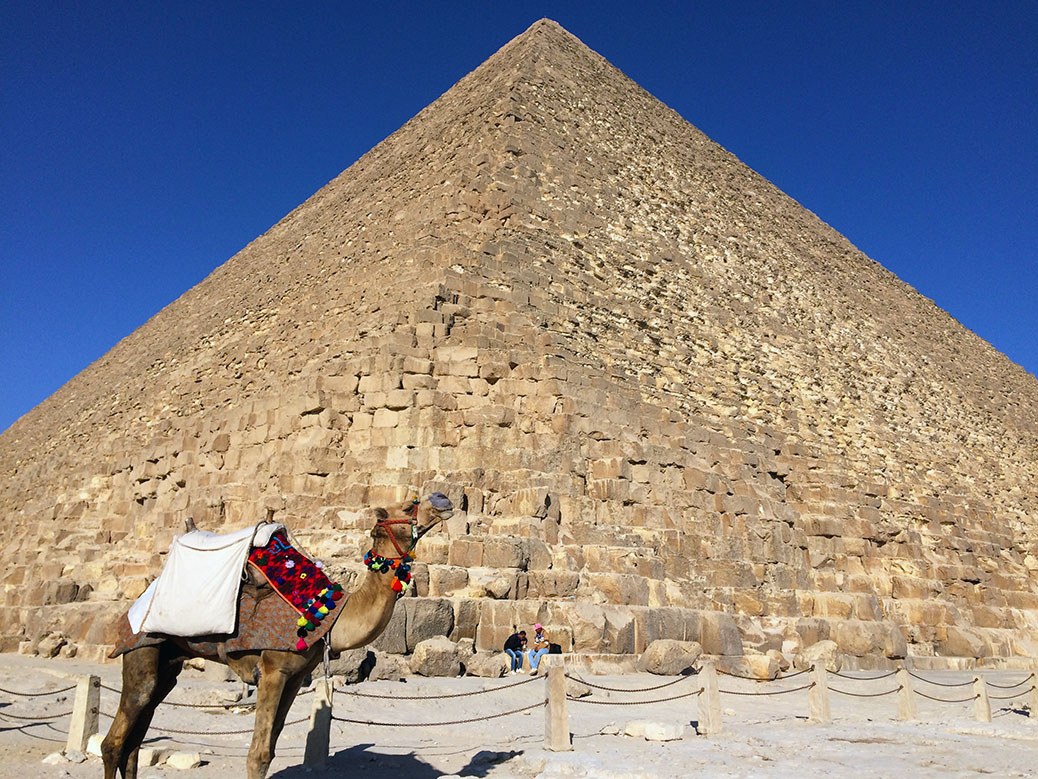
(426, 618)
(393, 639)
(488, 664)
(588, 623)
(719, 634)
(826, 652)
(954, 641)
(465, 553)
(553, 583)
(447, 579)
(505, 552)
(669, 657)
(436, 656)
(655, 731)
(618, 635)
(184, 760)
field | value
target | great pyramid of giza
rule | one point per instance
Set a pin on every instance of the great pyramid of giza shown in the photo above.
(671, 401)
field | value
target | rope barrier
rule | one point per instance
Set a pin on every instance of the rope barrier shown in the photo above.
(1010, 697)
(863, 678)
(938, 684)
(206, 732)
(637, 703)
(1011, 686)
(37, 719)
(436, 724)
(624, 689)
(36, 694)
(943, 700)
(755, 679)
(391, 696)
(771, 692)
(899, 688)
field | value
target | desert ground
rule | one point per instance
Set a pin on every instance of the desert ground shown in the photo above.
(763, 735)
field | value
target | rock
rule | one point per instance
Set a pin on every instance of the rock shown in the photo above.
(669, 657)
(426, 618)
(664, 731)
(780, 659)
(822, 652)
(610, 730)
(575, 687)
(184, 760)
(54, 758)
(654, 731)
(492, 665)
(68, 651)
(94, 744)
(719, 634)
(148, 756)
(392, 668)
(50, 644)
(353, 665)
(75, 756)
(436, 657)
(213, 671)
(960, 642)
(750, 666)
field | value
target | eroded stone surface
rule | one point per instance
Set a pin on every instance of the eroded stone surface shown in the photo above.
(662, 394)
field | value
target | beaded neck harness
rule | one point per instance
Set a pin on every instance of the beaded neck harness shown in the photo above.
(402, 563)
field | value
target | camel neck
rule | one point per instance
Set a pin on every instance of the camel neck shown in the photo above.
(366, 612)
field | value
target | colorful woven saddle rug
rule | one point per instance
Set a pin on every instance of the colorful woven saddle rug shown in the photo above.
(297, 610)
(300, 582)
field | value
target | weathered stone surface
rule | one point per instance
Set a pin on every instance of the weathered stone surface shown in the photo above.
(824, 652)
(668, 657)
(649, 380)
(436, 657)
(184, 760)
(488, 664)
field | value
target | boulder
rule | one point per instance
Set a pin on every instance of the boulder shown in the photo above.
(390, 668)
(427, 618)
(575, 687)
(960, 642)
(780, 659)
(353, 665)
(654, 731)
(822, 652)
(50, 644)
(669, 657)
(436, 656)
(184, 760)
(490, 665)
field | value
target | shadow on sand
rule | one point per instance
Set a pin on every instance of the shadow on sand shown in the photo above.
(377, 765)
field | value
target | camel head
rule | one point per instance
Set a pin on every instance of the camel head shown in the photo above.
(398, 529)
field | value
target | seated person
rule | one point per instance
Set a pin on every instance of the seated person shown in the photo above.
(515, 648)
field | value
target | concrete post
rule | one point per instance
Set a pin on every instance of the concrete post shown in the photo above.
(84, 712)
(906, 697)
(981, 704)
(709, 701)
(818, 697)
(318, 736)
(556, 716)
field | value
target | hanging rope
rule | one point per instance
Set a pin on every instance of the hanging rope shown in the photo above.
(636, 703)
(867, 694)
(435, 724)
(942, 700)
(1011, 686)
(938, 684)
(769, 692)
(393, 696)
(627, 689)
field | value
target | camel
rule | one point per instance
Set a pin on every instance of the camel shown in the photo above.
(149, 673)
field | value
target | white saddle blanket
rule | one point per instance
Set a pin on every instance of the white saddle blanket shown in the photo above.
(197, 592)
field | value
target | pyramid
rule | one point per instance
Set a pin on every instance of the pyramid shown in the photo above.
(670, 402)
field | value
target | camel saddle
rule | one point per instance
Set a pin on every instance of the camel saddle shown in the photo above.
(286, 603)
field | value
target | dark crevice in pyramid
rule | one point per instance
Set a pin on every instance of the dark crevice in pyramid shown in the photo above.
(676, 402)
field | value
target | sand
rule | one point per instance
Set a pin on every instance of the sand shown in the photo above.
(762, 735)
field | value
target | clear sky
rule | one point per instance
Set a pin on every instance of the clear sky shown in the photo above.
(143, 144)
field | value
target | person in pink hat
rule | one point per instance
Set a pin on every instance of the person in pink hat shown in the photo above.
(539, 648)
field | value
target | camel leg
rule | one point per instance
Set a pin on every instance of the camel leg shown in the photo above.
(287, 699)
(277, 671)
(168, 673)
(148, 676)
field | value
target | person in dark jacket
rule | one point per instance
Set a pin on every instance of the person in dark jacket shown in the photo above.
(515, 648)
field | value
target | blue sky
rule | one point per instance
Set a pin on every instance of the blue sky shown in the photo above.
(143, 144)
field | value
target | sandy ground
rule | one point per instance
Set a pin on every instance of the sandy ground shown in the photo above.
(763, 735)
